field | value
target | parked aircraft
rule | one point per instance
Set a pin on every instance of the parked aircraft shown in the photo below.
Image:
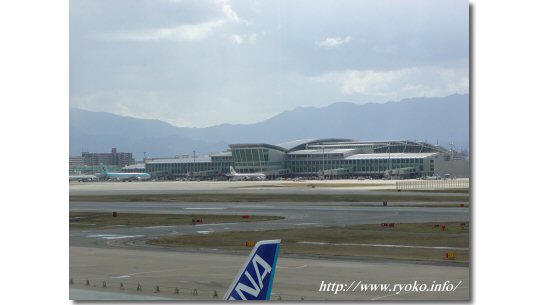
(123, 176)
(82, 178)
(247, 176)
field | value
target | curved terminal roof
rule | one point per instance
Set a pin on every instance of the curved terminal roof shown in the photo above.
(291, 145)
(322, 151)
(301, 144)
(391, 156)
(257, 145)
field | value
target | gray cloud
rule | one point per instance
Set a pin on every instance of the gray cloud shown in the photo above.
(184, 32)
(334, 42)
(200, 63)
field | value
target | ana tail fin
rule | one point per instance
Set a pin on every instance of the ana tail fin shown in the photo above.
(232, 170)
(255, 279)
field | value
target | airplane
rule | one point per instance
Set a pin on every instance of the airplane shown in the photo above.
(436, 177)
(82, 178)
(255, 279)
(236, 176)
(123, 176)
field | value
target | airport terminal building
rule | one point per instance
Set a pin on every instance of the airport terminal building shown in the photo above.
(330, 158)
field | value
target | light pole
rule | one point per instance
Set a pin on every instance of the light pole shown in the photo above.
(194, 163)
(323, 161)
(390, 165)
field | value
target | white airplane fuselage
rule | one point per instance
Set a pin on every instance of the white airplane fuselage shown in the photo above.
(123, 176)
(82, 178)
(128, 176)
(247, 176)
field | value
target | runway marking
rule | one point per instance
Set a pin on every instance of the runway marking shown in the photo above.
(158, 227)
(162, 271)
(217, 224)
(101, 235)
(147, 272)
(307, 223)
(205, 208)
(122, 236)
(379, 245)
(204, 232)
(113, 236)
(252, 206)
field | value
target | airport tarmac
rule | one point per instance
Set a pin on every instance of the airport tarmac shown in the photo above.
(296, 278)
(341, 187)
(120, 255)
(106, 187)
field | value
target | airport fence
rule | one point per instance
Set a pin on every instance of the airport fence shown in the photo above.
(432, 185)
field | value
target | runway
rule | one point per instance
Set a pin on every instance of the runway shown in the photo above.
(297, 215)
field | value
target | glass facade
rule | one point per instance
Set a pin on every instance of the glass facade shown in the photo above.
(257, 158)
(372, 166)
(172, 169)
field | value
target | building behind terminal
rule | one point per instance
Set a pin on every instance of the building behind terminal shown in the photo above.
(88, 162)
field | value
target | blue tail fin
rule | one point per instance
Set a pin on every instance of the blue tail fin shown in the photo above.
(255, 280)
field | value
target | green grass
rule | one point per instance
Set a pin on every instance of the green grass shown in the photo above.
(402, 234)
(87, 220)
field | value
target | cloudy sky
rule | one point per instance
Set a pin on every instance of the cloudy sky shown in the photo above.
(199, 63)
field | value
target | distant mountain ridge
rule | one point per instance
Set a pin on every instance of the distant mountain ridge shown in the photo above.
(435, 120)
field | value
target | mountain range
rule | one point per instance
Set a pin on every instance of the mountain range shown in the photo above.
(442, 121)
